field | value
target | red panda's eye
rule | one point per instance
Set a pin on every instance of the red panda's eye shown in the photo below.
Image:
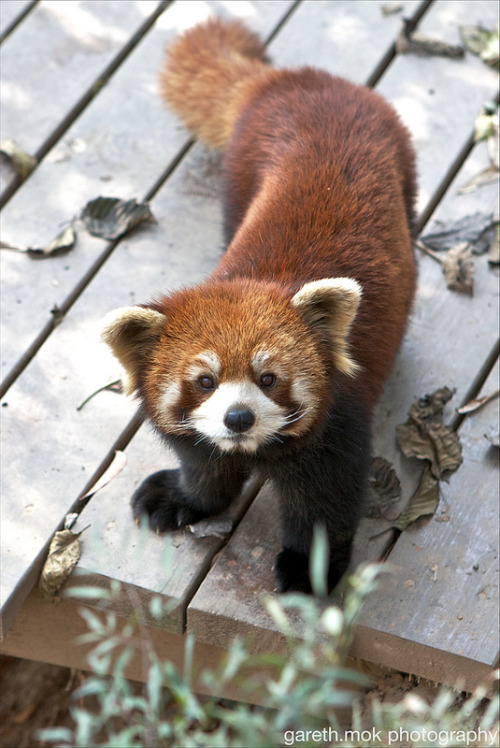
(267, 380)
(206, 383)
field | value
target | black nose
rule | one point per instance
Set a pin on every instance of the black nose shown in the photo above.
(239, 420)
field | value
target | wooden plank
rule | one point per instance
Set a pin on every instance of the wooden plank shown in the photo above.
(190, 218)
(436, 336)
(51, 449)
(442, 592)
(48, 631)
(75, 41)
(120, 146)
(11, 12)
(172, 564)
(341, 37)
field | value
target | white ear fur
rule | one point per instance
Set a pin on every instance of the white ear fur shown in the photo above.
(130, 332)
(333, 303)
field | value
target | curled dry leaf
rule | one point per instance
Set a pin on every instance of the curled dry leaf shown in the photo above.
(424, 438)
(22, 162)
(412, 42)
(424, 501)
(482, 42)
(470, 228)
(64, 242)
(117, 465)
(385, 488)
(458, 268)
(389, 8)
(219, 527)
(473, 405)
(63, 555)
(110, 217)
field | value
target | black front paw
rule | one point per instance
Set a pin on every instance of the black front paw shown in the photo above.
(161, 501)
(291, 572)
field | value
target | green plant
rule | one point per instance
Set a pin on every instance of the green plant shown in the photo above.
(302, 697)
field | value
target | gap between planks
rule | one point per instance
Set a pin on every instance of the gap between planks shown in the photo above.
(87, 97)
(64, 308)
(17, 20)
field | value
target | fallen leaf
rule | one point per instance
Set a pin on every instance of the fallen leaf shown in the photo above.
(110, 217)
(485, 177)
(212, 528)
(385, 488)
(431, 405)
(438, 445)
(458, 268)
(494, 256)
(389, 8)
(117, 465)
(424, 501)
(485, 125)
(434, 442)
(482, 42)
(473, 405)
(63, 555)
(114, 386)
(471, 228)
(412, 42)
(63, 242)
(22, 162)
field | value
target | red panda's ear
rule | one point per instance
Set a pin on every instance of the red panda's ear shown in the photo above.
(332, 303)
(130, 332)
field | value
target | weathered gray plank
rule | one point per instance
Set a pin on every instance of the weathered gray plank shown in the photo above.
(10, 11)
(339, 37)
(446, 327)
(52, 450)
(442, 592)
(119, 146)
(53, 58)
(191, 220)
(172, 565)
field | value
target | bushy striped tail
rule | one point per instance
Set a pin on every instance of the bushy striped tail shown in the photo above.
(209, 74)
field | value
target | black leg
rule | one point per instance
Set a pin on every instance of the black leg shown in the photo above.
(174, 498)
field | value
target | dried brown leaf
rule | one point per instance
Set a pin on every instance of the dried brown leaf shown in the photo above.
(431, 405)
(412, 42)
(385, 487)
(473, 405)
(470, 228)
(64, 242)
(22, 162)
(485, 177)
(458, 268)
(424, 501)
(110, 217)
(63, 555)
(482, 42)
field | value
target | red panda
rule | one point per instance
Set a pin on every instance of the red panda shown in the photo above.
(275, 362)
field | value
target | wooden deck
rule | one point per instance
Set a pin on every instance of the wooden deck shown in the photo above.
(79, 92)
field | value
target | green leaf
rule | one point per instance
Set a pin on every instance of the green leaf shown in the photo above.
(319, 561)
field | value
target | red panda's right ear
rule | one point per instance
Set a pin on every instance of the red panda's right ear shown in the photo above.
(130, 332)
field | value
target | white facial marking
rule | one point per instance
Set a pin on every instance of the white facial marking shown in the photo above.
(168, 399)
(203, 363)
(208, 418)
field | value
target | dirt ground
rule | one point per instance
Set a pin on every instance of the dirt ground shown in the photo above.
(36, 695)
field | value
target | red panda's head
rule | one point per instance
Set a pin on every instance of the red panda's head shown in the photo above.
(237, 364)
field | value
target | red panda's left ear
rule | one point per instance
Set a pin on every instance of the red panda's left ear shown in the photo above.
(131, 332)
(332, 303)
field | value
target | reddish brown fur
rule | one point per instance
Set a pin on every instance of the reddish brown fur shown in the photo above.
(320, 182)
